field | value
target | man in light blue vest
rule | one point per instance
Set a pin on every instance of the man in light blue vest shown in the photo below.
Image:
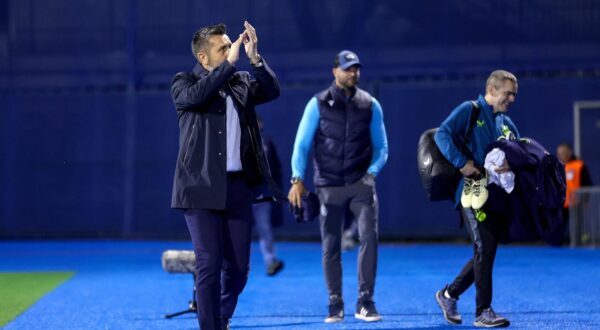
(345, 124)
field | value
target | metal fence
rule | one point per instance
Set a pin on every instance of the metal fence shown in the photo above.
(585, 217)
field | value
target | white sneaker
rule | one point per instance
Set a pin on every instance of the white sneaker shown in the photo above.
(480, 192)
(467, 193)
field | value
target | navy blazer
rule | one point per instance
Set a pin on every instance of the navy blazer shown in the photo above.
(199, 98)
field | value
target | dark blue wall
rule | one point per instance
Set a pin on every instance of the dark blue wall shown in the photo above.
(88, 134)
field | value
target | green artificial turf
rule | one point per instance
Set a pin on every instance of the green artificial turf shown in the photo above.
(18, 291)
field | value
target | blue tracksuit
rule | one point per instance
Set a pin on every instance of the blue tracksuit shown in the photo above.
(489, 127)
(484, 235)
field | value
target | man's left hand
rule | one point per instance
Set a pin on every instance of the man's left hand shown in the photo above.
(250, 43)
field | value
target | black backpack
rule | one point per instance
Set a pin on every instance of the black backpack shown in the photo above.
(438, 176)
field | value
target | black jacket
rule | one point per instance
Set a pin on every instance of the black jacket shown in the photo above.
(199, 97)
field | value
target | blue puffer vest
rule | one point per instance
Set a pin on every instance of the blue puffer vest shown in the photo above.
(342, 145)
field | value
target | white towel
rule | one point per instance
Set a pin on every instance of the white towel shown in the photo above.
(493, 160)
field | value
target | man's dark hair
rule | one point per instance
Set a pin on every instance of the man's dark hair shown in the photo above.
(200, 39)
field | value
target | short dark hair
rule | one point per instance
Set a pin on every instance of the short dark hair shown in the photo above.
(200, 39)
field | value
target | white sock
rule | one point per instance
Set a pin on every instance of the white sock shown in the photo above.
(446, 294)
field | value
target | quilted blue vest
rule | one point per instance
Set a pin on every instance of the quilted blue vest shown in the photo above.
(342, 144)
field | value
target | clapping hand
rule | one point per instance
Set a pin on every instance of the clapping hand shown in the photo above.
(234, 51)
(250, 43)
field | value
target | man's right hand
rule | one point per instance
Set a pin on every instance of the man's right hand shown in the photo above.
(295, 194)
(469, 169)
(234, 51)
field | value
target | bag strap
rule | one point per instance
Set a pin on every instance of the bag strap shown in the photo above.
(475, 110)
(464, 142)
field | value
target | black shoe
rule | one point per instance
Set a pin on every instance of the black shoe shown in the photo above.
(365, 310)
(275, 267)
(225, 323)
(336, 309)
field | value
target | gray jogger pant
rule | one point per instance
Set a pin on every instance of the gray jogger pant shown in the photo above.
(361, 199)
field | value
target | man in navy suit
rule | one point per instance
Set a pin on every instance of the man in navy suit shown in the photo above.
(220, 161)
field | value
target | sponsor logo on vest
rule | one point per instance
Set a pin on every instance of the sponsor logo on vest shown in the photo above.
(427, 161)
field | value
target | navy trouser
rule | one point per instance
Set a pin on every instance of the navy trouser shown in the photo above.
(221, 241)
(264, 229)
